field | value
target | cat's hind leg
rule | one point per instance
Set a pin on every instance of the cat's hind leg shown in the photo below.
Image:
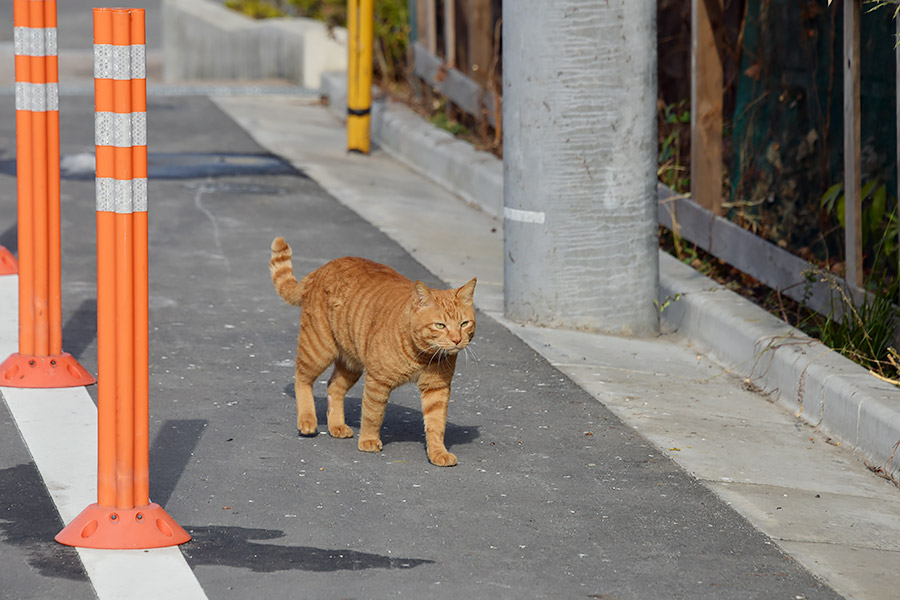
(342, 379)
(315, 351)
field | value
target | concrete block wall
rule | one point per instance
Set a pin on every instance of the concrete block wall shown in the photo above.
(203, 40)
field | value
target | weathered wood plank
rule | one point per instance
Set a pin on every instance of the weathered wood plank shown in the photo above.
(422, 22)
(481, 40)
(706, 109)
(775, 267)
(450, 33)
(431, 24)
(453, 84)
(852, 167)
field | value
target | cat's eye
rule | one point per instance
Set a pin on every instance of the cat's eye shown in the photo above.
(440, 326)
(464, 324)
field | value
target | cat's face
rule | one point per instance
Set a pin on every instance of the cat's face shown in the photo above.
(443, 320)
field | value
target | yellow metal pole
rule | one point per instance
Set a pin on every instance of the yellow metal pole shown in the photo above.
(360, 17)
(352, 66)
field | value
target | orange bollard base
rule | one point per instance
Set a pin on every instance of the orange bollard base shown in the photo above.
(8, 263)
(109, 528)
(58, 371)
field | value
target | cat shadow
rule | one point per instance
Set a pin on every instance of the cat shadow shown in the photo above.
(401, 423)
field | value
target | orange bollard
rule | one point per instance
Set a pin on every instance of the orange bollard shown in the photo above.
(40, 361)
(8, 263)
(123, 516)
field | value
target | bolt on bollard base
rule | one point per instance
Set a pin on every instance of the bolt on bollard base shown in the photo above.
(110, 528)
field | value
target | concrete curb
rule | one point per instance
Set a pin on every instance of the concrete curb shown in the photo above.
(205, 40)
(815, 383)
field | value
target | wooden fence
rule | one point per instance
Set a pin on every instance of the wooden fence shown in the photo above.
(456, 46)
(698, 221)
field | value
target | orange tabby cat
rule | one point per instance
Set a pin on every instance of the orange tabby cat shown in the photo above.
(361, 315)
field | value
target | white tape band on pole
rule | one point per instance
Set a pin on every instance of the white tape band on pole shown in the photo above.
(139, 128)
(37, 97)
(105, 194)
(120, 62)
(122, 130)
(102, 61)
(103, 128)
(139, 194)
(123, 195)
(524, 216)
(138, 61)
(35, 41)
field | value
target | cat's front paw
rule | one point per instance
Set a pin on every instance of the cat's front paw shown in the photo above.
(340, 431)
(370, 445)
(307, 426)
(442, 459)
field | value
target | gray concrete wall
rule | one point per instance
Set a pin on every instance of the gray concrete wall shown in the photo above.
(203, 40)
(579, 139)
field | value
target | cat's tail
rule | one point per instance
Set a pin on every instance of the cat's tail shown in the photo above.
(282, 270)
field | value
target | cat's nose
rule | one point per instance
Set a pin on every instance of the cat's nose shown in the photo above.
(456, 339)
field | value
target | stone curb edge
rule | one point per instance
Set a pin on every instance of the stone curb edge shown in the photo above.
(815, 383)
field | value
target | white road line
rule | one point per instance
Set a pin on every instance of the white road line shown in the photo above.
(59, 427)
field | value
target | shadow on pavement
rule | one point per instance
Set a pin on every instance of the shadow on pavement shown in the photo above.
(180, 165)
(235, 547)
(9, 239)
(80, 329)
(170, 452)
(401, 423)
(28, 520)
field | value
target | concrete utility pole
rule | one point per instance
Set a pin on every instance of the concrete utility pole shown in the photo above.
(580, 153)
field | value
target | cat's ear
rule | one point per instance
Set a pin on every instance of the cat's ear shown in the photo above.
(422, 295)
(466, 293)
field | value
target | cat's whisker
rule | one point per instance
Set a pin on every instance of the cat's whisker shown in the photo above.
(475, 357)
(436, 354)
(421, 352)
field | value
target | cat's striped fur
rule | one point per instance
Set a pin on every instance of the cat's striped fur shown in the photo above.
(365, 317)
